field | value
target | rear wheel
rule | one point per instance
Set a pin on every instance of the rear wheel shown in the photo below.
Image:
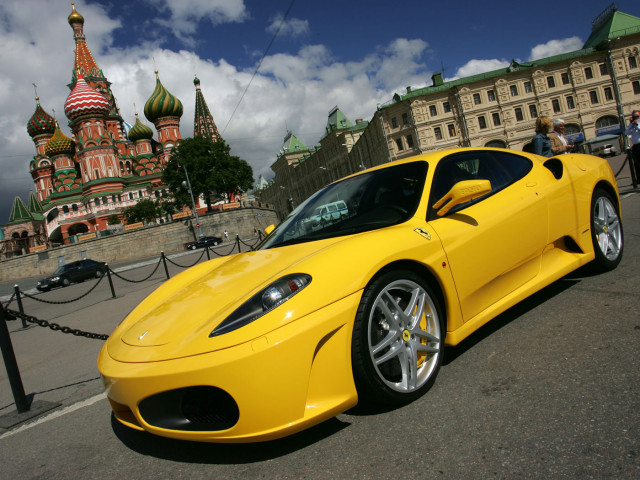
(606, 231)
(65, 282)
(398, 339)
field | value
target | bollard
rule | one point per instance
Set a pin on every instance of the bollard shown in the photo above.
(16, 289)
(164, 260)
(260, 235)
(113, 291)
(207, 249)
(237, 243)
(11, 365)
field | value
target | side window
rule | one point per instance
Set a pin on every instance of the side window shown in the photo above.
(500, 168)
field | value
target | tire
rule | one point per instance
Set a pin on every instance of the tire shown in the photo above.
(65, 282)
(215, 244)
(192, 247)
(606, 231)
(99, 273)
(395, 356)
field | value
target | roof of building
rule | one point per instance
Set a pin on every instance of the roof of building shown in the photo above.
(162, 103)
(35, 207)
(40, 122)
(337, 120)
(19, 212)
(84, 63)
(84, 100)
(292, 144)
(203, 120)
(611, 24)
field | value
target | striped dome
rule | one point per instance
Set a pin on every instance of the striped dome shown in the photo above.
(59, 144)
(84, 100)
(162, 104)
(139, 131)
(40, 122)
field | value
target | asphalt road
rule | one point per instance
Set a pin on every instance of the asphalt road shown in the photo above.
(550, 389)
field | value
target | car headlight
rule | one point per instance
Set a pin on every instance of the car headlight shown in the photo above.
(270, 297)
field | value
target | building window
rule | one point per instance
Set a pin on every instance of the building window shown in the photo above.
(588, 74)
(570, 103)
(446, 107)
(491, 95)
(608, 93)
(405, 119)
(555, 103)
(565, 78)
(593, 95)
(476, 99)
(527, 87)
(452, 130)
(410, 141)
(96, 201)
(399, 144)
(394, 122)
(633, 63)
(551, 82)
(518, 112)
(533, 111)
(636, 87)
(514, 90)
(604, 71)
(105, 200)
(74, 207)
(438, 133)
(482, 122)
(496, 119)
(113, 198)
(65, 209)
(432, 110)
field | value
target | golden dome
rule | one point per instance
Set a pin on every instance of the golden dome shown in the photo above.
(75, 17)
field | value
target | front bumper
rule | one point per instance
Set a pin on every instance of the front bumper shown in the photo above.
(292, 378)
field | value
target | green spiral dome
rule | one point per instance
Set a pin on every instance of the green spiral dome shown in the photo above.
(162, 104)
(140, 131)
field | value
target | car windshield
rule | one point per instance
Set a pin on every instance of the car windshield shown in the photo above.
(369, 201)
(59, 270)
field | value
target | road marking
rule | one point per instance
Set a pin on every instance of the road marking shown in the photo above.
(56, 414)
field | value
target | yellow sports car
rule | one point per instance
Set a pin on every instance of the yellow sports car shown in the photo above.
(407, 258)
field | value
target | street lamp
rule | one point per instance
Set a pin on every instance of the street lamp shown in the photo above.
(193, 202)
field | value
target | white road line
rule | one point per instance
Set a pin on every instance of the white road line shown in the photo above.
(56, 414)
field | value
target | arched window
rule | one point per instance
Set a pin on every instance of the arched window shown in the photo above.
(571, 129)
(496, 144)
(74, 207)
(606, 122)
(65, 209)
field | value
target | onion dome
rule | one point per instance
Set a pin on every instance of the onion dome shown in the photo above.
(162, 104)
(59, 144)
(75, 17)
(196, 81)
(139, 131)
(84, 100)
(41, 122)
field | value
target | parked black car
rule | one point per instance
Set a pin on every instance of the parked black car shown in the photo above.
(73, 272)
(204, 242)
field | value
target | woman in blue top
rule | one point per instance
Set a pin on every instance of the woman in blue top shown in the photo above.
(542, 143)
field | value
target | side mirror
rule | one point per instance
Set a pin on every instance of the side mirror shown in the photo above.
(460, 193)
(269, 229)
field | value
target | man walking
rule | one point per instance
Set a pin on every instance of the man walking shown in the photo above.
(559, 143)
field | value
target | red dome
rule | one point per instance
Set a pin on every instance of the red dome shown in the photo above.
(84, 100)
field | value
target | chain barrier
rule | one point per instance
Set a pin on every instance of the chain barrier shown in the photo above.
(53, 302)
(13, 295)
(225, 254)
(251, 246)
(138, 281)
(56, 327)
(186, 266)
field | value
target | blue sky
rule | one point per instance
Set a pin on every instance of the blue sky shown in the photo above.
(351, 54)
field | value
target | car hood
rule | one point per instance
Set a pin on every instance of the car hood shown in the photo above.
(176, 320)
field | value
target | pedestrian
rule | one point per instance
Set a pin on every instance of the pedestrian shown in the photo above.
(541, 142)
(226, 235)
(633, 129)
(559, 143)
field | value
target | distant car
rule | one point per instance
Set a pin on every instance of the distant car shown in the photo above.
(204, 242)
(73, 272)
(605, 150)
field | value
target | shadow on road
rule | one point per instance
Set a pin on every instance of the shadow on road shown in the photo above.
(221, 453)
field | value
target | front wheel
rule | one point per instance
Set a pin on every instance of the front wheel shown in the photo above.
(65, 282)
(606, 231)
(398, 339)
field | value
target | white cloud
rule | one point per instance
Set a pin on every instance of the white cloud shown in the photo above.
(555, 47)
(294, 91)
(476, 66)
(294, 27)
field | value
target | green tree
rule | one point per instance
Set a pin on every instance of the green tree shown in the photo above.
(145, 209)
(113, 219)
(213, 171)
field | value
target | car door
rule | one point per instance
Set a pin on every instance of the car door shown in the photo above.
(494, 243)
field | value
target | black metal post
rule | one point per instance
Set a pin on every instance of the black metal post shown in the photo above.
(260, 235)
(238, 242)
(164, 260)
(16, 289)
(206, 247)
(113, 292)
(11, 365)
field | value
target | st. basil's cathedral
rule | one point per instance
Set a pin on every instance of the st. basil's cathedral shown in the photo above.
(107, 165)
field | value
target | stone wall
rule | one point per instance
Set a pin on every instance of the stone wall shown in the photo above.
(140, 243)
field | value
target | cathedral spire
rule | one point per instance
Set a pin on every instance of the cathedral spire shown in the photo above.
(84, 64)
(203, 124)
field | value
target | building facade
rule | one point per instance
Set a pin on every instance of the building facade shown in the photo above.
(593, 89)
